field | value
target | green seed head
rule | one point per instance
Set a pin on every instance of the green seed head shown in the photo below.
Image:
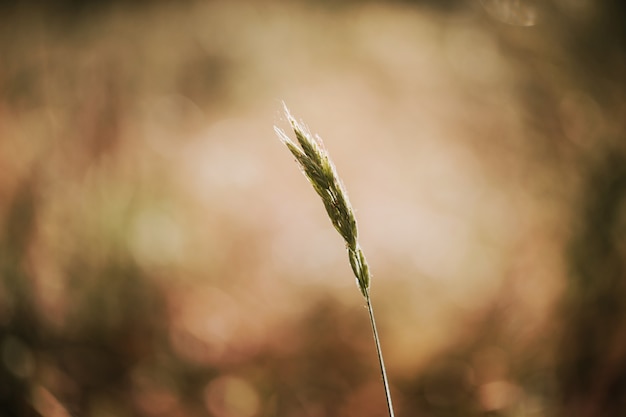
(315, 163)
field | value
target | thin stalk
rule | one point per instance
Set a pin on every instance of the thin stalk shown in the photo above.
(316, 165)
(379, 351)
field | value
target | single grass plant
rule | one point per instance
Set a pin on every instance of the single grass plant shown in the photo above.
(315, 163)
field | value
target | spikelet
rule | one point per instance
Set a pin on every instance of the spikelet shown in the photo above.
(319, 169)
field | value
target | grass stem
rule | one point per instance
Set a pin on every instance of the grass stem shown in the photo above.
(315, 163)
(379, 351)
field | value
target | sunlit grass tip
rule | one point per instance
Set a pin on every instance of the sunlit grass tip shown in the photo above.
(318, 168)
(315, 163)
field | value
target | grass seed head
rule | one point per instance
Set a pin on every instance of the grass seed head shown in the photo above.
(318, 168)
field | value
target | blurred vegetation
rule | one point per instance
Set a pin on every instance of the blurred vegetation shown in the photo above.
(160, 255)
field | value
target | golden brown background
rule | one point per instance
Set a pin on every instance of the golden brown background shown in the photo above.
(161, 255)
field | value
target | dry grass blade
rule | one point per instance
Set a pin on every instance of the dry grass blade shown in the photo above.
(318, 168)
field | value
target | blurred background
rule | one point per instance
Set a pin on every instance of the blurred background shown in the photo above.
(161, 255)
